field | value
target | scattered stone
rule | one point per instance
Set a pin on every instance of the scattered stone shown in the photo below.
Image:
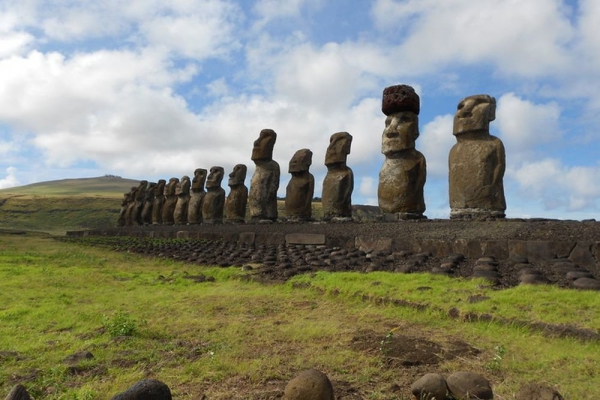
(469, 385)
(78, 357)
(430, 387)
(147, 389)
(586, 284)
(535, 391)
(573, 275)
(18, 392)
(533, 279)
(309, 385)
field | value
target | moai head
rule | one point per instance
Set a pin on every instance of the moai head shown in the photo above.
(263, 146)
(301, 161)
(238, 175)
(474, 113)
(149, 195)
(401, 104)
(338, 149)
(215, 177)
(159, 189)
(184, 185)
(141, 190)
(171, 187)
(198, 180)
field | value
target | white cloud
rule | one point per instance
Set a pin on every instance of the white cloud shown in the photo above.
(525, 125)
(269, 10)
(10, 180)
(367, 186)
(523, 38)
(435, 143)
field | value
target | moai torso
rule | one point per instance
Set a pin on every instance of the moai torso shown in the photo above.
(148, 203)
(403, 174)
(235, 204)
(214, 201)
(299, 191)
(338, 184)
(476, 162)
(194, 213)
(122, 221)
(159, 201)
(168, 209)
(183, 198)
(140, 196)
(262, 199)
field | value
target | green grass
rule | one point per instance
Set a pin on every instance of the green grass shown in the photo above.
(238, 339)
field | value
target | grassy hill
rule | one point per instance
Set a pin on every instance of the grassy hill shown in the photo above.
(62, 205)
(88, 203)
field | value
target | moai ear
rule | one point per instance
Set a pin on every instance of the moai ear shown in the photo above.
(492, 109)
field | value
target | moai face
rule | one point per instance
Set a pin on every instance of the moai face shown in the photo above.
(400, 133)
(301, 161)
(171, 187)
(159, 189)
(199, 179)
(474, 113)
(238, 175)
(150, 190)
(263, 146)
(215, 177)
(185, 184)
(339, 148)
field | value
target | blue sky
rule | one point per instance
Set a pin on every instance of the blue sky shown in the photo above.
(150, 89)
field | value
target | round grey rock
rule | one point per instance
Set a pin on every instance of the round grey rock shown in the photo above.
(429, 387)
(147, 389)
(469, 385)
(309, 385)
(586, 284)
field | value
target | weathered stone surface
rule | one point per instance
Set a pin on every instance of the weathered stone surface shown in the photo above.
(235, 204)
(194, 212)
(214, 201)
(140, 196)
(535, 391)
(262, 199)
(299, 191)
(582, 254)
(182, 190)
(305, 238)
(430, 387)
(517, 248)
(539, 251)
(476, 162)
(148, 203)
(247, 237)
(158, 201)
(586, 284)
(170, 203)
(147, 389)
(338, 184)
(368, 244)
(309, 385)
(18, 392)
(469, 385)
(128, 198)
(402, 176)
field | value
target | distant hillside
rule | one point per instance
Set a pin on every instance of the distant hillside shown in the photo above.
(104, 186)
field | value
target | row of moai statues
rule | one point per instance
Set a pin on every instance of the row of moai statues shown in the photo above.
(476, 170)
(476, 162)
(181, 202)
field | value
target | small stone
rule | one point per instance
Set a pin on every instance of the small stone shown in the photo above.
(147, 389)
(469, 385)
(430, 387)
(533, 279)
(309, 385)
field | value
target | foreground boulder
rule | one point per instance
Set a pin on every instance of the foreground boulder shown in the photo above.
(469, 385)
(309, 385)
(18, 392)
(147, 389)
(430, 387)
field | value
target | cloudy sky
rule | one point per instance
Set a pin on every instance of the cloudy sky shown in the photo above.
(150, 89)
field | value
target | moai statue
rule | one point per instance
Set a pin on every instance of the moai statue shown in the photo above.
(214, 201)
(130, 211)
(122, 221)
(140, 197)
(197, 196)
(182, 190)
(477, 162)
(299, 191)
(235, 204)
(148, 203)
(402, 176)
(158, 202)
(168, 209)
(264, 184)
(339, 181)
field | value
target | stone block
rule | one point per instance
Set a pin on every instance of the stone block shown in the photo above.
(460, 246)
(247, 237)
(582, 254)
(517, 248)
(495, 248)
(368, 244)
(305, 238)
(539, 251)
(438, 248)
(270, 238)
(344, 242)
(403, 245)
(562, 249)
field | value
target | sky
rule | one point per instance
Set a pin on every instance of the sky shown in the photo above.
(151, 89)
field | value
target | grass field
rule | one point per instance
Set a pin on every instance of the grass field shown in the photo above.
(214, 332)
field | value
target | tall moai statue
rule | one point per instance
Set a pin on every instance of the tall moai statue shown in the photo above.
(122, 221)
(168, 209)
(159, 201)
(194, 213)
(235, 204)
(148, 203)
(299, 191)
(182, 190)
(477, 162)
(140, 197)
(338, 184)
(402, 176)
(130, 207)
(264, 184)
(214, 201)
